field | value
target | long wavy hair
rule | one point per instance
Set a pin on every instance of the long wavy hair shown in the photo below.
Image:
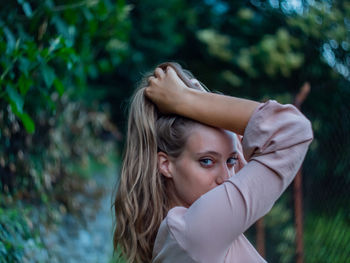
(141, 201)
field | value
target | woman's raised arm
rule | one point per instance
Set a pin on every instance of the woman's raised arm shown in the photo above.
(171, 95)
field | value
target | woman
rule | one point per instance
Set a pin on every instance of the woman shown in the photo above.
(184, 195)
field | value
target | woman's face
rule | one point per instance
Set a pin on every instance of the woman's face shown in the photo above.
(208, 159)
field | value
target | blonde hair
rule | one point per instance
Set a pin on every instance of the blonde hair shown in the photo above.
(141, 202)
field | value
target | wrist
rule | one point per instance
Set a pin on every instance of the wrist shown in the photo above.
(186, 101)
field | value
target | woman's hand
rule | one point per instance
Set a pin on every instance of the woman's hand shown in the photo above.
(166, 90)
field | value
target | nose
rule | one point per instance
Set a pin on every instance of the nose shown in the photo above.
(224, 173)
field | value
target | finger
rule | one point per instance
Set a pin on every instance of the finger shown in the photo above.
(170, 70)
(159, 73)
(147, 91)
(151, 79)
(196, 83)
(172, 73)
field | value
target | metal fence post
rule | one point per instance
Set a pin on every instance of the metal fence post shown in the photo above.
(297, 187)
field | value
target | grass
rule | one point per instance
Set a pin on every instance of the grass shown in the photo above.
(327, 237)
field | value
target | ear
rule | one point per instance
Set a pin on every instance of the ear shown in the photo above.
(164, 165)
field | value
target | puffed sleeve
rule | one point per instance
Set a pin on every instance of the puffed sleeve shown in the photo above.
(275, 143)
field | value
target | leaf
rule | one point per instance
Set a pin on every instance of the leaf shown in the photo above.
(49, 102)
(61, 26)
(11, 42)
(28, 123)
(55, 44)
(24, 65)
(24, 84)
(15, 98)
(48, 75)
(27, 9)
(2, 248)
(59, 86)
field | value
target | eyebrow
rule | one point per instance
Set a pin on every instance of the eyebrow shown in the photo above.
(213, 153)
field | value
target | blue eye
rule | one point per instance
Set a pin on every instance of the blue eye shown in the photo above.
(232, 160)
(206, 162)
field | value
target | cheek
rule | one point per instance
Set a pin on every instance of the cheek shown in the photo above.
(192, 181)
(193, 174)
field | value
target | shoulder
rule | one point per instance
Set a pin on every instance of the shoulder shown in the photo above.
(173, 225)
(174, 222)
(170, 241)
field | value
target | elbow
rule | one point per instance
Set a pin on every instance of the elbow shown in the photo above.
(305, 129)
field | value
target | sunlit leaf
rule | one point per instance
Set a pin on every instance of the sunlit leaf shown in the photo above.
(27, 9)
(54, 44)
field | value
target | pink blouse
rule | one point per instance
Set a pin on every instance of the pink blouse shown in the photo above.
(211, 229)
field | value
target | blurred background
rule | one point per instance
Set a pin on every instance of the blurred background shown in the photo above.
(68, 68)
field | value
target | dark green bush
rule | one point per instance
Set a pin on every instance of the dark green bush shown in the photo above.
(51, 124)
(48, 53)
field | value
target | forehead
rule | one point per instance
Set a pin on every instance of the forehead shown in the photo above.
(205, 138)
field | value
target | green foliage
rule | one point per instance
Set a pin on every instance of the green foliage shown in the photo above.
(39, 53)
(218, 44)
(327, 238)
(280, 232)
(155, 33)
(14, 233)
(48, 52)
(278, 227)
(50, 123)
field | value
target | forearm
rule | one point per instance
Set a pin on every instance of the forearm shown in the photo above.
(217, 110)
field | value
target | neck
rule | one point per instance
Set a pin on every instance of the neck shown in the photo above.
(173, 197)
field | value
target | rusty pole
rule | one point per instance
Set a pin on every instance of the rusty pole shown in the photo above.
(260, 237)
(297, 187)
